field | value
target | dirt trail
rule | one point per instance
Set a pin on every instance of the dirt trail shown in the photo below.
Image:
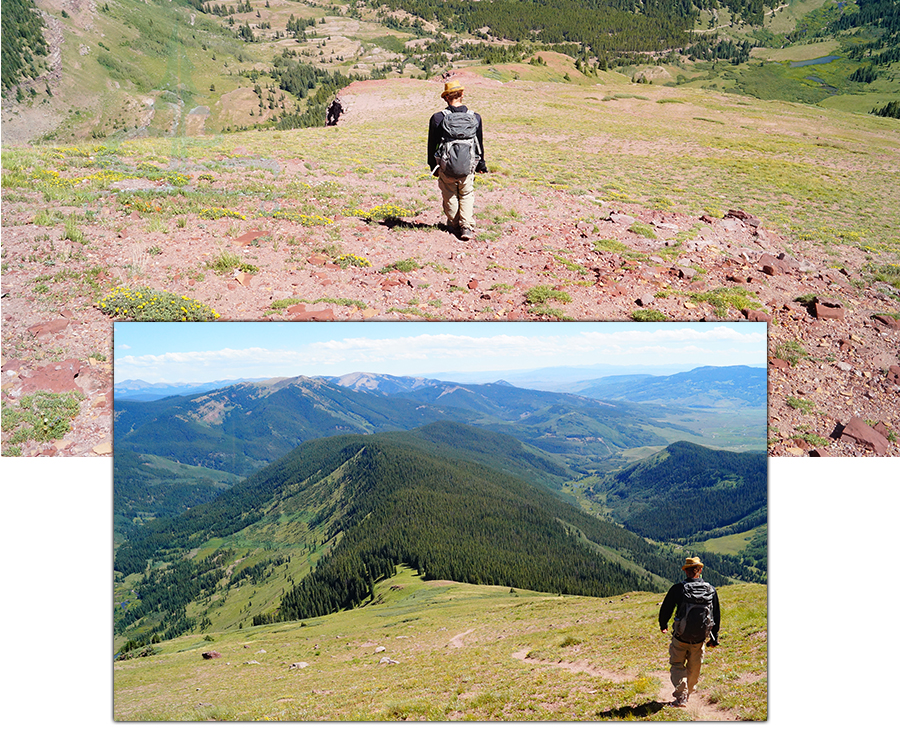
(699, 708)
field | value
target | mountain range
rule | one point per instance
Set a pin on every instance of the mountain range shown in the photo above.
(336, 482)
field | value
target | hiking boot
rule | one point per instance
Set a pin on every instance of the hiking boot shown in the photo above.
(681, 700)
(466, 234)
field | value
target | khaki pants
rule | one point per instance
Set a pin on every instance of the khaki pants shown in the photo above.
(684, 660)
(459, 200)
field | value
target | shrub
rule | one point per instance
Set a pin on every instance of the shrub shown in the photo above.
(348, 259)
(214, 213)
(543, 294)
(145, 304)
(404, 266)
(382, 213)
(723, 298)
(648, 315)
(226, 262)
(791, 351)
(299, 217)
(804, 405)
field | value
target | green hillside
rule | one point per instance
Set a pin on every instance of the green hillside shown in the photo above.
(460, 652)
(686, 489)
(131, 68)
(311, 534)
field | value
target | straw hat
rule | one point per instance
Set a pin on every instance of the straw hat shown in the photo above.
(691, 562)
(452, 87)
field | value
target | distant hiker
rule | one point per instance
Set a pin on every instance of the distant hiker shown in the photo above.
(455, 153)
(696, 607)
(334, 111)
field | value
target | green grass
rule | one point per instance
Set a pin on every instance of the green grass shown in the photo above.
(227, 262)
(792, 351)
(456, 648)
(41, 416)
(722, 299)
(539, 295)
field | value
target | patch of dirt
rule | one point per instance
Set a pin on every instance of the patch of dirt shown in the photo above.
(698, 707)
(607, 260)
(458, 641)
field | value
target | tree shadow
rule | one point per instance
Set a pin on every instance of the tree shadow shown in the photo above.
(634, 711)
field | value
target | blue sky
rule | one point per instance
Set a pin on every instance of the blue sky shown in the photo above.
(207, 351)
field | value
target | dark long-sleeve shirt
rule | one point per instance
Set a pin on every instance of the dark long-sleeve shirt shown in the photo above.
(674, 603)
(434, 136)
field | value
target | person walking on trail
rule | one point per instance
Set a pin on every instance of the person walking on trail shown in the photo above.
(455, 153)
(695, 604)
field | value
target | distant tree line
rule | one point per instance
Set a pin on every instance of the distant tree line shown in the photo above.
(22, 42)
(890, 110)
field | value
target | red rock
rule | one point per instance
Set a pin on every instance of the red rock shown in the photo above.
(829, 309)
(58, 378)
(893, 375)
(317, 260)
(48, 328)
(754, 315)
(473, 283)
(243, 278)
(882, 429)
(886, 321)
(771, 265)
(819, 452)
(296, 309)
(14, 365)
(861, 433)
(249, 237)
(323, 315)
(780, 364)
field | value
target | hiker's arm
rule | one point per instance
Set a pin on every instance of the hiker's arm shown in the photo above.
(481, 168)
(668, 608)
(717, 619)
(434, 138)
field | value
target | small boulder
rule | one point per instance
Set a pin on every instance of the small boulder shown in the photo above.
(211, 655)
(829, 309)
(861, 433)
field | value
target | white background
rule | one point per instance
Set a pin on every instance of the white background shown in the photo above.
(833, 652)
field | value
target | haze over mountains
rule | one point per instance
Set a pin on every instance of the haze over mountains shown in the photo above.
(570, 379)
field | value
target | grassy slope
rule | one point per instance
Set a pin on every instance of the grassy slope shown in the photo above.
(454, 645)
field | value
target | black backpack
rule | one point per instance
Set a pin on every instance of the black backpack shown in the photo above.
(459, 153)
(697, 617)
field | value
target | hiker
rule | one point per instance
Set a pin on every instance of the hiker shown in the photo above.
(455, 153)
(696, 606)
(334, 112)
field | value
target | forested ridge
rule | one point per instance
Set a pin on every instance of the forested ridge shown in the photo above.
(372, 503)
(686, 489)
(22, 42)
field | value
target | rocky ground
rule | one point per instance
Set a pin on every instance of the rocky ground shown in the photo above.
(834, 342)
